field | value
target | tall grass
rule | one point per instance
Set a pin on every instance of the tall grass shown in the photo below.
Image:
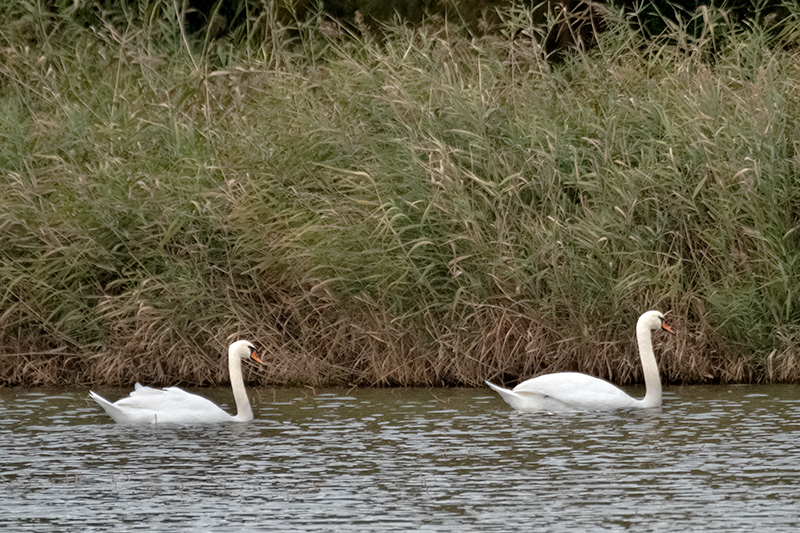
(414, 207)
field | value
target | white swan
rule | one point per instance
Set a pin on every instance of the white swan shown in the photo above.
(175, 406)
(571, 391)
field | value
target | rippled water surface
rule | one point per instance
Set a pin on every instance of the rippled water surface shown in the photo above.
(711, 459)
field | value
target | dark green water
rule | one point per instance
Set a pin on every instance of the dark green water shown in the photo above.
(711, 459)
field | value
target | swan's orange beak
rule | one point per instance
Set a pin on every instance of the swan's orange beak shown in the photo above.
(254, 357)
(666, 327)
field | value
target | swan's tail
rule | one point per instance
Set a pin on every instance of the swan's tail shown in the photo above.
(99, 399)
(514, 399)
(110, 409)
(509, 396)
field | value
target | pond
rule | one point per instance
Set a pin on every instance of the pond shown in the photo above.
(716, 458)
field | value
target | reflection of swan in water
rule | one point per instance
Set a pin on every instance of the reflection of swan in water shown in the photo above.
(176, 406)
(564, 391)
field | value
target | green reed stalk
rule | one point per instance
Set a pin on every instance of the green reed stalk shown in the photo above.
(411, 207)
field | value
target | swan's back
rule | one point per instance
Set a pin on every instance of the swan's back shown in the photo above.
(146, 405)
(565, 391)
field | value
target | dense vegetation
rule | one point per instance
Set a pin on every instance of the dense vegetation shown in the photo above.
(418, 205)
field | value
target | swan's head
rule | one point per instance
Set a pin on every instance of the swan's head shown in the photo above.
(244, 350)
(654, 320)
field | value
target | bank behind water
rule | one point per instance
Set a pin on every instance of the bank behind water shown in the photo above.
(422, 207)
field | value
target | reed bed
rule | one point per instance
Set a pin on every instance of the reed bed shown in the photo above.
(417, 206)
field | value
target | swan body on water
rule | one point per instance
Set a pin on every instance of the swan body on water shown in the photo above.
(174, 406)
(572, 391)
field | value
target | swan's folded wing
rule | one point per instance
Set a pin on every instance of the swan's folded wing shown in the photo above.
(171, 406)
(578, 391)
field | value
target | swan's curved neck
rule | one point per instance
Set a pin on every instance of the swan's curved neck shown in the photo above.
(652, 380)
(244, 413)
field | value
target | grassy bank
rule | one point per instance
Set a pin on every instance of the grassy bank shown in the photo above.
(417, 207)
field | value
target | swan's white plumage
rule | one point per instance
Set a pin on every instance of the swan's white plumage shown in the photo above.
(564, 391)
(571, 391)
(172, 405)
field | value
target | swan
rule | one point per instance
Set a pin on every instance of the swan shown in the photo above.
(172, 405)
(570, 391)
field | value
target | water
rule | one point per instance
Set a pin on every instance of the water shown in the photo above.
(712, 459)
